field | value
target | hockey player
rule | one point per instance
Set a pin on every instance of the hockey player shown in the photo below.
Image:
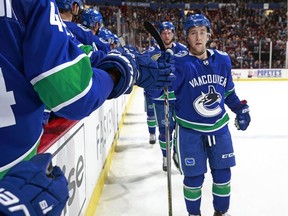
(202, 87)
(149, 109)
(106, 35)
(40, 64)
(92, 20)
(116, 41)
(167, 32)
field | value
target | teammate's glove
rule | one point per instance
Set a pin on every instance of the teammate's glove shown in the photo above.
(149, 71)
(119, 64)
(34, 188)
(130, 48)
(243, 118)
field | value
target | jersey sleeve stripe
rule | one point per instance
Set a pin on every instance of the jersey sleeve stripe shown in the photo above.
(56, 83)
(72, 100)
(57, 69)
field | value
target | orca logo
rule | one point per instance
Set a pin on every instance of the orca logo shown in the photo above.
(206, 104)
(181, 53)
(189, 161)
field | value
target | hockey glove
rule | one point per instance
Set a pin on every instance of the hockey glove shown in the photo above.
(155, 70)
(145, 70)
(122, 68)
(243, 118)
(34, 188)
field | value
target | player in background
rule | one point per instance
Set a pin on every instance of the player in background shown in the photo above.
(116, 41)
(107, 36)
(41, 65)
(91, 19)
(149, 109)
(167, 33)
(203, 87)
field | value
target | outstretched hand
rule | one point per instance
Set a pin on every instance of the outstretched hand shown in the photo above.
(151, 70)
(155, 70)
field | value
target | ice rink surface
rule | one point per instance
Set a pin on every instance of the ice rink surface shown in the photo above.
(137, 186)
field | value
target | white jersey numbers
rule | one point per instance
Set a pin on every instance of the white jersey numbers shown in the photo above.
(7, 99)
(56, 20)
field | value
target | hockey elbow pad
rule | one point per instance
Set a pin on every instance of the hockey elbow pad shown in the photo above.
(123, 66)
(243, 118)
(34, 188)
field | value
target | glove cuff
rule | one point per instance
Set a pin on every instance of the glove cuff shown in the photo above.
(124, 67)
(240, 106)
(13, 201)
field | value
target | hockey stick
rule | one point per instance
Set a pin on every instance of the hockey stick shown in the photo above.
(154, 33)
(122, 41)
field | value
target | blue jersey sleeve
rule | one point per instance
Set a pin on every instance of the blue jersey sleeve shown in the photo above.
(40, 65)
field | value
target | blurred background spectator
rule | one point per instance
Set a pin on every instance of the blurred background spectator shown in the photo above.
(253, 33)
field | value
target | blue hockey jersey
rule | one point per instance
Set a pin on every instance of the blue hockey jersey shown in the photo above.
(201, 87)
(40, 64)
(85, 36)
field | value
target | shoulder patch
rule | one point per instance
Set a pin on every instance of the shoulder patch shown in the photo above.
(181, 53)
(84, 28)
(103, 41)
(151, 48)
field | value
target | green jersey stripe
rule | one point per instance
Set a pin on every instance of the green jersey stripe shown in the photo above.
(228, 92)
(56, 84)
(204, 127)
(72, 100)
(57, 69)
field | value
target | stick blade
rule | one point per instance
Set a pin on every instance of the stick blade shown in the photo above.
(154, 33)
(122, 41)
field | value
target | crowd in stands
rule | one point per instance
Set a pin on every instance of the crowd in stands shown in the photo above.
(202, 1)
(243, 33)
(207, 1)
